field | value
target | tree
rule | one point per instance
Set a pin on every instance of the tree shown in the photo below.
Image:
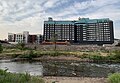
(1, 48)
(21, 46)
(54, 40)
(68, 45)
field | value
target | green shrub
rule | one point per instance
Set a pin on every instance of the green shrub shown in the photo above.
(110, 57)
(56, 53)
(1, 48)
(83, 56)
(20, 46)
(6, 77)
(49, 53)
(29, 55)
(96, 57)
(117, 55)
(114, 78)
(15, 55)
(32, 54)
(114, 57)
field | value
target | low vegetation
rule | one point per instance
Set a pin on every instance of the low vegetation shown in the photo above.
(114, 78)
(28, 55)
(95, 56)
(1, 48)
(113, 57)
(20, 51)
(6, 77)
(20, 46)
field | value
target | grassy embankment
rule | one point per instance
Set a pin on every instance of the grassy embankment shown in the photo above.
(89, 55)
(114, 78)
(7, 77)
(20, 51)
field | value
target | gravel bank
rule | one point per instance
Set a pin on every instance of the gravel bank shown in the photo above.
(74, 80)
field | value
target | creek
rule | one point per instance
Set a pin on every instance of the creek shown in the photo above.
(61, 68)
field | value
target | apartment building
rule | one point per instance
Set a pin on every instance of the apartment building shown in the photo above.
(82, 31)
(11, 37)
(25, 37)
(35, 39)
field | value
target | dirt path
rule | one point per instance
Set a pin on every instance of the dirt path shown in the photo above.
(74, 80)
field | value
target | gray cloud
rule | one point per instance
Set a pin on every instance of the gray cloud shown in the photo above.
(20, 15)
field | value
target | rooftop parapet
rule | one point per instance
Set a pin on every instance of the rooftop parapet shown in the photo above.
(80, 20)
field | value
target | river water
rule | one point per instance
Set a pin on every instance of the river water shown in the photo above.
(22, 67)
(59, 68)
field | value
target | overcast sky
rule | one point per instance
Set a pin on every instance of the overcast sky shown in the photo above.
(17, 16)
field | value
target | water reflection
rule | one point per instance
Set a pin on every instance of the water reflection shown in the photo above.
(22, 67)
